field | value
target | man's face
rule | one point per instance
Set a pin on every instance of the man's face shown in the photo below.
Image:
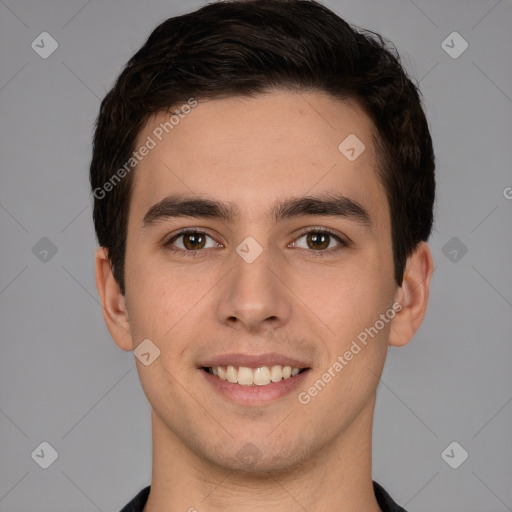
(305, 297)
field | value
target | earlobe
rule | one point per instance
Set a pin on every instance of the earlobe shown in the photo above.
(412, 296)
(112, 302)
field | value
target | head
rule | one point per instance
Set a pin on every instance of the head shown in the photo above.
(246, 103)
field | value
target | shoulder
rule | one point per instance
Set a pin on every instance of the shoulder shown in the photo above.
(137, 504)
(386, 503)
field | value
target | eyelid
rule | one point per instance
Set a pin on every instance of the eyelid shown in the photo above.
(189, 231)
(343, 241)
(322, 229)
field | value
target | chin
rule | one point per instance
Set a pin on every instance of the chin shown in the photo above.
(257, 458)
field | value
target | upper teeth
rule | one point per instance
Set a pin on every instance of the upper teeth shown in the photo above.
(259, 376)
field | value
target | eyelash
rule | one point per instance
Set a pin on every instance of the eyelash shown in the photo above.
(197, 252)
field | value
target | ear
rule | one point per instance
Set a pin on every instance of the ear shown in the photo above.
(112, 302)
(412, 296)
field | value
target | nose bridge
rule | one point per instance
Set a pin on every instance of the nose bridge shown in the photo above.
(252, 295)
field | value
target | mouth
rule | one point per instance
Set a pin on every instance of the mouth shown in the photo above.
(254, 376)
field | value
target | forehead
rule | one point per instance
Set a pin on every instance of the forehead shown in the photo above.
(252, 151)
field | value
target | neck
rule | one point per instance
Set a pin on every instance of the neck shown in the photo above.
(336, 477)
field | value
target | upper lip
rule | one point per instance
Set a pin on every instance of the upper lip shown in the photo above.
(253, 361)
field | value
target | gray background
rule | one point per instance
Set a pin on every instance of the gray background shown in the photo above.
(64, 381)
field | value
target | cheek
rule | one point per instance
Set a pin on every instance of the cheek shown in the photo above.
(157, 290)
(164, 305)
(354, 300)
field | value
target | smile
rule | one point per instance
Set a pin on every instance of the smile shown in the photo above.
(260, 376)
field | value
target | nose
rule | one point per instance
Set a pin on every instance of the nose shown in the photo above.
(254, 296)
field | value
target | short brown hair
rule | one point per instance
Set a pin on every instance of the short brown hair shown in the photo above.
(247, 47)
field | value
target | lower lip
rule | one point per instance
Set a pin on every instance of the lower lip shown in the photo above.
(255, 395)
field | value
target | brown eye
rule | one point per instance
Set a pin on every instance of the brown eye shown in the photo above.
(190, 241)
(193, 241)
(318, 240)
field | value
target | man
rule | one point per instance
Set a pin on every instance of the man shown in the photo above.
(263, 177)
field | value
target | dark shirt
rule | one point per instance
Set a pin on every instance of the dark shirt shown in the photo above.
(384, 500)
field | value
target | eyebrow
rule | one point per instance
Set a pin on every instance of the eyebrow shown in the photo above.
(331, 205)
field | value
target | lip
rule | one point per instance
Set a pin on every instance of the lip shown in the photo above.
(253, 361)
(254, 395)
